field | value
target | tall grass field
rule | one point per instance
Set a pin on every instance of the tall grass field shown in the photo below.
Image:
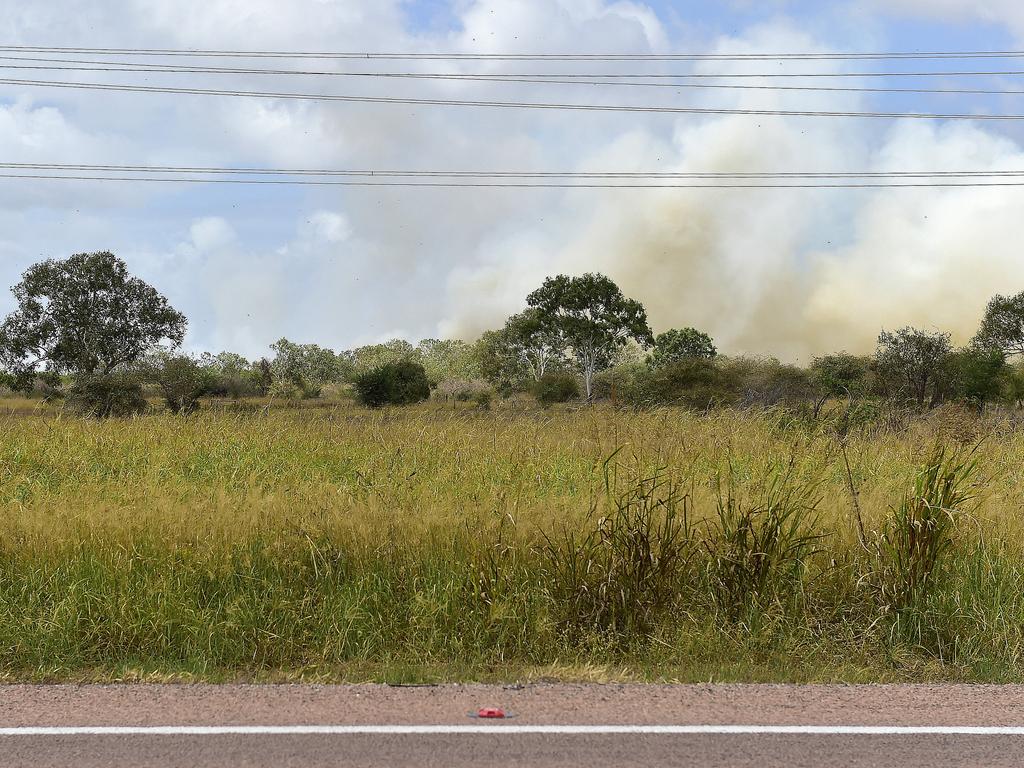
(429, 544)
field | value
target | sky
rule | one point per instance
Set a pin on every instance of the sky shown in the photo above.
(791, 273)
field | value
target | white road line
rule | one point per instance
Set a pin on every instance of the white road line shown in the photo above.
(513, 730)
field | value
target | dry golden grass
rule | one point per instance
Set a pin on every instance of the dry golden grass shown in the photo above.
(334, 542)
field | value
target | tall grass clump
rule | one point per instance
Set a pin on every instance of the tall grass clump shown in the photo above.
(759, 548)
(919, 532)
(619, 573)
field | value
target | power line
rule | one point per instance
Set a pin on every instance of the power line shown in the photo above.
(541, 79)
(513, 185)
(157, 67)
(388, 173)
(899, 55)
(502, 104)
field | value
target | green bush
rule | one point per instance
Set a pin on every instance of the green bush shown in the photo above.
(181, 379)
(701, 383)
(557, 387)
(399, 383)
(621, 384)
(764, 381)
(842, 375)
(693, 382)
(113, 395)
(285, 390)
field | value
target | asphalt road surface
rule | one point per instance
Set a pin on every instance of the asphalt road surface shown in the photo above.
(549, 725)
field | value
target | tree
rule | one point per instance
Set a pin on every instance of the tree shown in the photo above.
(499, 366)
(85, 315)
(675, 345)
(974, 374)
(841, 374)
(230, 372)
(535, 344)
(262, 373)
(1013, 384)
(520, 353)
(915, 359)
(181, 379)
(447, 359)
(373, 356)
(1002, 327)
(591, 319)
(399, 383)
(307, 366)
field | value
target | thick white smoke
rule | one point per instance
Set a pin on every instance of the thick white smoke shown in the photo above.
(792, 272)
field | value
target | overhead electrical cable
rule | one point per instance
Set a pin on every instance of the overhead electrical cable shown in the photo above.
(522, 78)
(520, 185)
(93, 167)
(505, 104)
(810, 56)
(158, 67)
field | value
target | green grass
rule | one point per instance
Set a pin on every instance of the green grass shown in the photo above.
(335, 543)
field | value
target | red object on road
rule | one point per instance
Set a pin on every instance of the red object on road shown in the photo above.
(491, 712)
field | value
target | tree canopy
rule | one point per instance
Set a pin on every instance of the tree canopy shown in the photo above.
(521, 352)
(678, 344)
(841, 374)
(1002, 326)
(917, 358)
(591, 318)
(307, 366)
(85, 315)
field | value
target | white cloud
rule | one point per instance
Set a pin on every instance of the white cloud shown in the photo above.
(211, 234)
(329, 227)
(1007, 12)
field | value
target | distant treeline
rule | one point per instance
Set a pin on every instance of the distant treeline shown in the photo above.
(86, 329)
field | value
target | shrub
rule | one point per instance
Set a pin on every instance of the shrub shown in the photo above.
(765, 382)
(621, 384)
(180, 379)
(106, 396)
(483, 399)
(285, 390)
(50, 385)
(557, 387)
(692, 382)
(399, 383)
(461, 390)
(842, 374)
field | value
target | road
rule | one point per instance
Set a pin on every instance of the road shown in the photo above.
(596, 726)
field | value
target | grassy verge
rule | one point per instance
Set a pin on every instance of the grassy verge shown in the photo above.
(432, 544)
